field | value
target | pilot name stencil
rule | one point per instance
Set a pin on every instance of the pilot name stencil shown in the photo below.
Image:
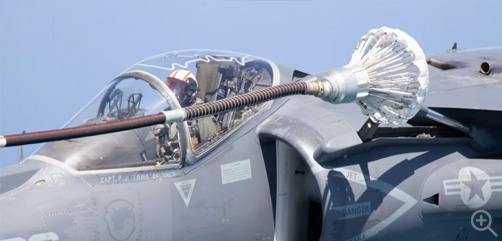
(136, 177)
(474, 186)
(235, 171)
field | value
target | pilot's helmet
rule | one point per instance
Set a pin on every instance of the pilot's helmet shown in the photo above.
(184, 85)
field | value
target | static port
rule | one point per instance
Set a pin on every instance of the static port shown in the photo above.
(485, 68)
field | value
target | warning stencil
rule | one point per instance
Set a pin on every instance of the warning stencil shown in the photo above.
(235, 171)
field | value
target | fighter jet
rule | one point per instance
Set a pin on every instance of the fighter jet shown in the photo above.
(213, 145)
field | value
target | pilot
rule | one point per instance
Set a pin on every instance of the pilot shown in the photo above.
(185, 87)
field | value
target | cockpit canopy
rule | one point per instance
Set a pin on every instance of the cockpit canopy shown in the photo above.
(142, 90)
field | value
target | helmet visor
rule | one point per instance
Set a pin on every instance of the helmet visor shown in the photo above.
(182, 89)
(176, 85)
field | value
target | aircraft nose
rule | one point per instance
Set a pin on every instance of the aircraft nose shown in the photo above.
(45, 202)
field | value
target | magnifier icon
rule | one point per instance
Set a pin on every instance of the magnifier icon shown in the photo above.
(481, 220)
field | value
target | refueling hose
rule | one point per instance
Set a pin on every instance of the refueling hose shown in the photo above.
(177, 115)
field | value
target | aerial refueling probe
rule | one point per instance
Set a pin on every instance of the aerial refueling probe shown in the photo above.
(177, 115)
(387, 77)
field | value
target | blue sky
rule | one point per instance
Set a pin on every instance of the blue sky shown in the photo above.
(55, 55)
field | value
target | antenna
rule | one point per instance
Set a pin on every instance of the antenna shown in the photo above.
(21, 152)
